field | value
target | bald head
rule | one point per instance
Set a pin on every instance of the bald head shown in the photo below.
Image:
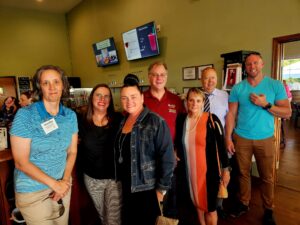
(209, 79)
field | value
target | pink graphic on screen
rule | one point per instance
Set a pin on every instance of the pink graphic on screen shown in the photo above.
(152, 40)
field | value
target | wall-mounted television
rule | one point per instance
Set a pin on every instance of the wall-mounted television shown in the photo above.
(141, 42)
(106, 52)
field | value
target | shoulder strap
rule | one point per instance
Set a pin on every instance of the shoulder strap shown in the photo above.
(218, 159)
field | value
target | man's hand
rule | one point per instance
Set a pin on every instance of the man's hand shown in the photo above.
(230, 146)
(259, 100)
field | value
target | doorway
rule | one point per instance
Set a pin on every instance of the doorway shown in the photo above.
(288, 176)
(278, 53)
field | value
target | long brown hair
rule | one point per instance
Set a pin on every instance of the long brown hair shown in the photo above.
(90, 109)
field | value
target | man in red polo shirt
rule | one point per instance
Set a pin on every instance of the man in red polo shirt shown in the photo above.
(158, 99)
(168, 105)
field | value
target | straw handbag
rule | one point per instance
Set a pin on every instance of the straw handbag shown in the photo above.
(162, 220)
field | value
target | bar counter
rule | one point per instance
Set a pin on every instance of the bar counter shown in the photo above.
(6, 172)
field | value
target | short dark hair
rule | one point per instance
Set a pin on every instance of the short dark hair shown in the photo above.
(28, 94)
(90, 109)
(252, 53)
(131, 80)
(37, 79)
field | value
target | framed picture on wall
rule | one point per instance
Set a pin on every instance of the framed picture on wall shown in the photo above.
(189, 73)
(185, 90)
(233, 76)
(201, 68)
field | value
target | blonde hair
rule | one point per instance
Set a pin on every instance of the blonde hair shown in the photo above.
(196, 91)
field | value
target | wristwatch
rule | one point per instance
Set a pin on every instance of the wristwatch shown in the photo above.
(267, 106)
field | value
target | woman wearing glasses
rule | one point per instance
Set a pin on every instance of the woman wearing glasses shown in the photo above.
(97, 130)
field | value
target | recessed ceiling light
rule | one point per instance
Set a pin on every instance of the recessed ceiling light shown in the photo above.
(39, 0)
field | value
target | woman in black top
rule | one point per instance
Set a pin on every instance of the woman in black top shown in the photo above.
(97, 133)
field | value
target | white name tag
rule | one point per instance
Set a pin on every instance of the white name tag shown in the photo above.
(49, 126)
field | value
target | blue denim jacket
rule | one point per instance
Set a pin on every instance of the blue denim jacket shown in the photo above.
(152, 157)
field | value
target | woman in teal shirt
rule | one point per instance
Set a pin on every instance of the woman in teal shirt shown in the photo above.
(44, 147)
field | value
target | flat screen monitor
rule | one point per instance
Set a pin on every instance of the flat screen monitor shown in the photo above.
(106, 52)
(141, 42)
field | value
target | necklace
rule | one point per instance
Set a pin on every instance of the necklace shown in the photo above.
(121, 142)
(195, 125)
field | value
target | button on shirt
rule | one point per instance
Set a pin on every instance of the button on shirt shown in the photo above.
(218, 100)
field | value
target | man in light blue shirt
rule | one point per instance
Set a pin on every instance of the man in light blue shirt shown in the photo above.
(218, 99)
(218, 105)
(253, 103)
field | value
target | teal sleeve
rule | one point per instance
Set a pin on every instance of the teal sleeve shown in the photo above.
(21, 125)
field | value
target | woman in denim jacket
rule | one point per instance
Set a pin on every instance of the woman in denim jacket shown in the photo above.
(144, 157)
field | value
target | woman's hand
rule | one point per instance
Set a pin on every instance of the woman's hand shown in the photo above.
(225, 177)
(60, 189)
(160, 196)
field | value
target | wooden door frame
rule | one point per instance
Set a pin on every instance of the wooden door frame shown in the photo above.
(277, 52)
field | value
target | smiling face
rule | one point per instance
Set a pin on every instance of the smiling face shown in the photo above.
(101, 99)
(195, 103)
(253, 66)
(132, 99)
(51, 86)
(209, 80)
(158, 77)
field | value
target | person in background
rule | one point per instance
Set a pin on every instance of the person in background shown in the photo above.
(203, 159)
(9, 109)
(144, 157)
(97, 131)
(253, 103)
(287, 90)
(168, 105)
(26, 98)
(290, 97)
(216, 102)
(44, 148)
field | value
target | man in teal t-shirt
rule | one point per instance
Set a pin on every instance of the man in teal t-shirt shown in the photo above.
(253, 103)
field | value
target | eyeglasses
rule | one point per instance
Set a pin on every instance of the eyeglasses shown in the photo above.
(156, 75)
(104, 97)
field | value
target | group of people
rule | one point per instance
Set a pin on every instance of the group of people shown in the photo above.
(11, 105)
(156, 151)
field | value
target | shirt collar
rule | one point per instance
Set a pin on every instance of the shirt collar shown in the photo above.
(163, 97)
(209, 94)
(43, 112)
